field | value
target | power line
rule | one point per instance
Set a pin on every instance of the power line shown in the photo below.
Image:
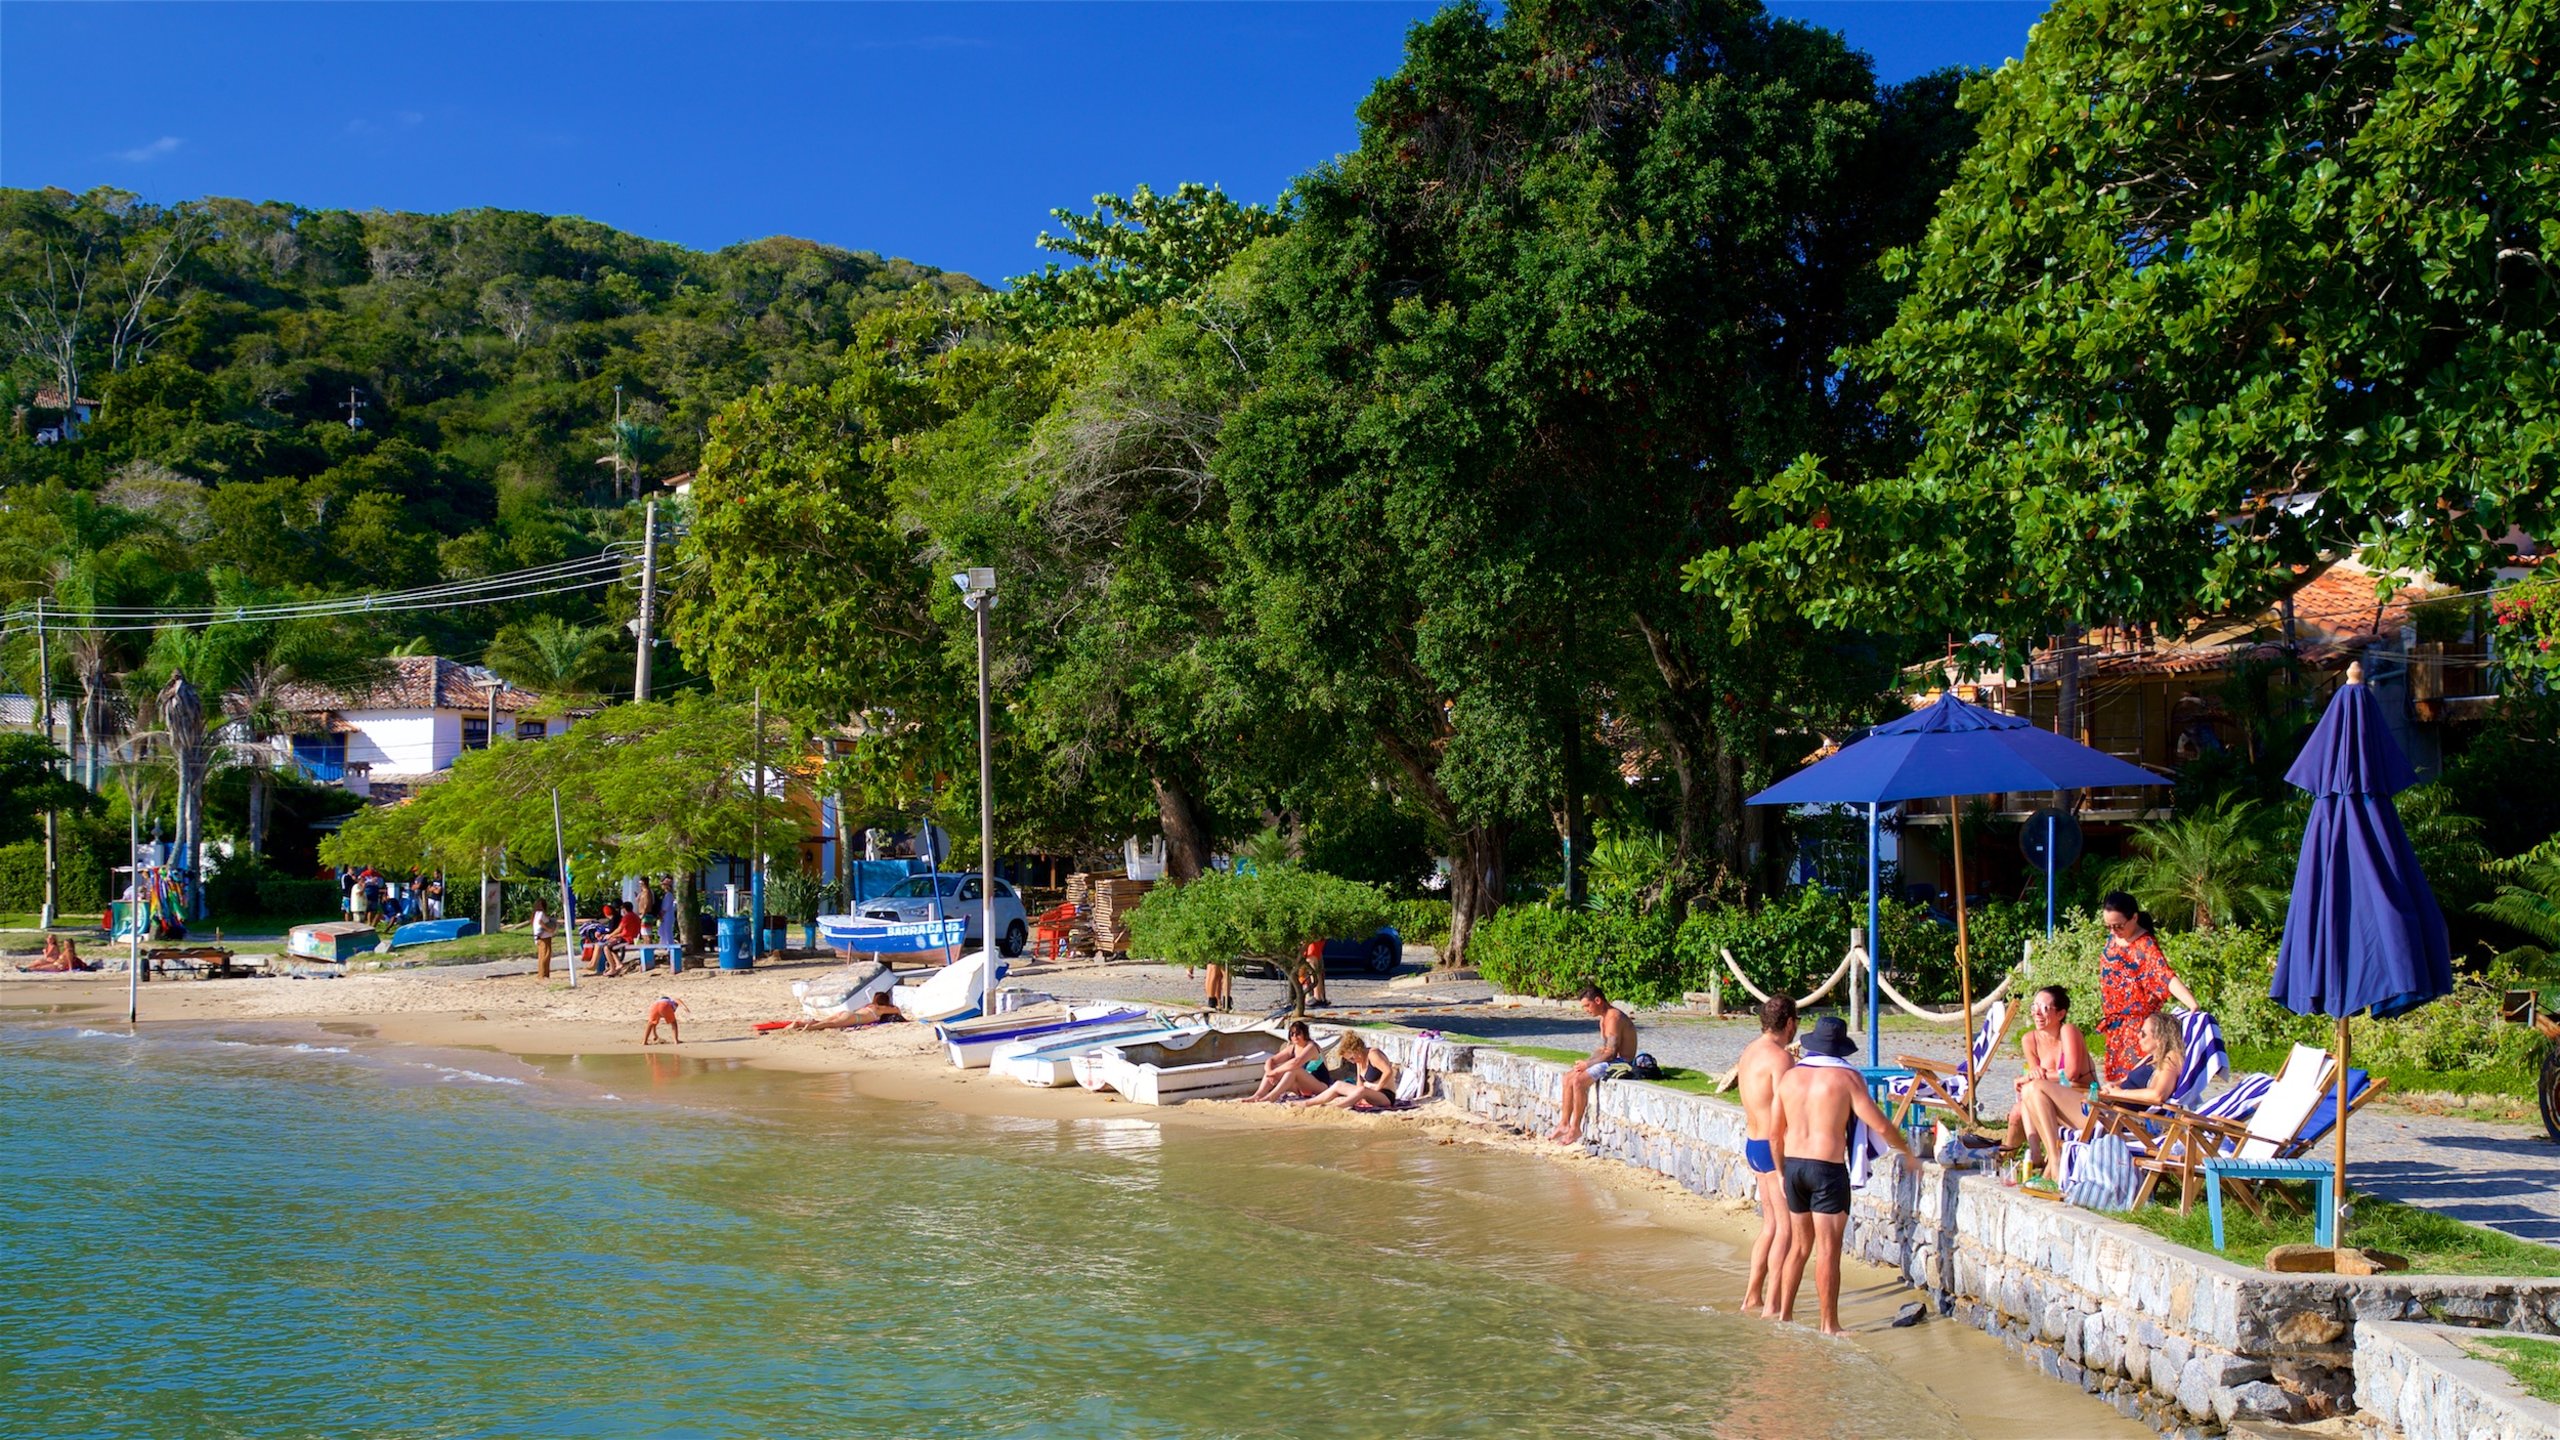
(449, 592)
(439, 598)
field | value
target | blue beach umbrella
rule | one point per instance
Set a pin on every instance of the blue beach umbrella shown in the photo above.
(2362, 931)
(1944, 750)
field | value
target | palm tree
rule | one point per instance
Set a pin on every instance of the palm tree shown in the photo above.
(2214, 866)
(553, 658)
(256, 705)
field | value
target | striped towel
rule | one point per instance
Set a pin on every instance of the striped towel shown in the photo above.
(2200, 1036)
(2104, 1178)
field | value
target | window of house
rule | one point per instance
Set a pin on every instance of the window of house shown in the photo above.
(475, 732)
(531, 729)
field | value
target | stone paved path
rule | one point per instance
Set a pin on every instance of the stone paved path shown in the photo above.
(2503, 1176)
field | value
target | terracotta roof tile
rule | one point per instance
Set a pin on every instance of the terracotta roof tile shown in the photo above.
(413, 682)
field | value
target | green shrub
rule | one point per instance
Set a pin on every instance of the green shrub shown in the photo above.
(1420, 922)
(1788, 943)
(1268, 915)
(1540, 950)
(83, 879)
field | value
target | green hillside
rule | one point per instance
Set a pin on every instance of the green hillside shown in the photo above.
(481, 355)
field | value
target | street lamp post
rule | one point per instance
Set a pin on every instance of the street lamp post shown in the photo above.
(978, 592)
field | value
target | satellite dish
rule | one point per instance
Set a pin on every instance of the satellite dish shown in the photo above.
(2061, 830)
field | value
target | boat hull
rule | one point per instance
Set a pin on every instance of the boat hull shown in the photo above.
(974, 1051)
(1049, 1064)
(1204, 1065)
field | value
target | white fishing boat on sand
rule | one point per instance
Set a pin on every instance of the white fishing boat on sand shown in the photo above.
(1200, 1064)
(1049, 1061)
(972, 1046)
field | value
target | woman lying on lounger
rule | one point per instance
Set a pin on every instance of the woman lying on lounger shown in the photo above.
(1293, 1071)
(2052, 1108)
(1372, 1085)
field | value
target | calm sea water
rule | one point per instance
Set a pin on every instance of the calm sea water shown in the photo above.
(228, 1233)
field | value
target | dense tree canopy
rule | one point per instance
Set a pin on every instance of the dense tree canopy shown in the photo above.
(2224, 288)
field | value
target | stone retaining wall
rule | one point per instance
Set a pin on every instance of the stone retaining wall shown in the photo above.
(2180, 1339)
(2416, 1382)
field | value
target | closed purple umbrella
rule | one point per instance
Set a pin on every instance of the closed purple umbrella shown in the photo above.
(2362, 931)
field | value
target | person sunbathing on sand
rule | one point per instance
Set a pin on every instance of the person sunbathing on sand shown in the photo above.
(1293, 1071)
(1373, 1078)
(875, 1011)
(61, 957)
(662, 1011)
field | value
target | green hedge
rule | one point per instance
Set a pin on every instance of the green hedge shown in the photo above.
(83, 878)
(1791, 942)
(1420, 922)
(1539, 950)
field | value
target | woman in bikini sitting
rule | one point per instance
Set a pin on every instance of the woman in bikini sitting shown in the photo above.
(1293, 1071)
(2053, 1108)
(1373, 1078)
(2055, 1050)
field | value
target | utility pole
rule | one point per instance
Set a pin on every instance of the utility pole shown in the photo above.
(978, 592)
(755, 860)
(490, 910)
(648, 597)
(568, 897)
(44, 712)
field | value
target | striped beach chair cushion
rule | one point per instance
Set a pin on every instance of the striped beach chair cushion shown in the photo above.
(2200, 1036)
(1995, 1018)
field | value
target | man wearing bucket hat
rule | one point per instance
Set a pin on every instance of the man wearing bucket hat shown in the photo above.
(1820, 1111)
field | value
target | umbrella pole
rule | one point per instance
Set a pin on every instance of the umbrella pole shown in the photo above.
(2338, 1216)
(1964, 954)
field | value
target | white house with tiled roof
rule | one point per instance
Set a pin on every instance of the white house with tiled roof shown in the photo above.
(410, 723)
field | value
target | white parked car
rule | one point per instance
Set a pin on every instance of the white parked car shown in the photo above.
(914, 900)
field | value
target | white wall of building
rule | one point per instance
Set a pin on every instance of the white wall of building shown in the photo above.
(401, 742)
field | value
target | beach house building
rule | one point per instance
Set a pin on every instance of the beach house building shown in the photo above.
(406, 725)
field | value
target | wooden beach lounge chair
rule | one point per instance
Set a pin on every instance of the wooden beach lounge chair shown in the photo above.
(1936, 1085)
(2298, 1111)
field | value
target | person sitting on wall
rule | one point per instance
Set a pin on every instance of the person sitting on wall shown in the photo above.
(1617, 1047)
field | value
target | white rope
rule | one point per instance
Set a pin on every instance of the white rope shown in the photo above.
(1763, 996)
(1857, 958)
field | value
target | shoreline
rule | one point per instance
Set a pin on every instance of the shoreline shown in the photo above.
(526, 1020)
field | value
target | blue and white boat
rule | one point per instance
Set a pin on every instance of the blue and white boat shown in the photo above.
(974, 1046)
(1049, 1062)
(863, 935)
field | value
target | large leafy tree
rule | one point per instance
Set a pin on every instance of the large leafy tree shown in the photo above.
(1580, 282)
(2222, 288)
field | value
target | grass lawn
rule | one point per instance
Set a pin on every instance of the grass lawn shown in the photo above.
(469, 950)
(2534, 1363)
(2435, 1244)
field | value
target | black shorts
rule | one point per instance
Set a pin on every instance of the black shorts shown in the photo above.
(1817, 1187)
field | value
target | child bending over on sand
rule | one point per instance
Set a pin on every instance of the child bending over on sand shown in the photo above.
(662, 1011)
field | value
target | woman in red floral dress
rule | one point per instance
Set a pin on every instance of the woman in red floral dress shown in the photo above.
(2134, 981)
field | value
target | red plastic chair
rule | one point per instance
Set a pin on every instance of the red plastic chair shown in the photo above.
(1049, 932)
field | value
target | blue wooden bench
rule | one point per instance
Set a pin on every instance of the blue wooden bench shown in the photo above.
(2320, 1173)
(674, 954)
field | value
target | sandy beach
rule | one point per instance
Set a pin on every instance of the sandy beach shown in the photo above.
(519, 1015)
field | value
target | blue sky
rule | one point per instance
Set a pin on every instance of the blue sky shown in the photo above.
(939, 132)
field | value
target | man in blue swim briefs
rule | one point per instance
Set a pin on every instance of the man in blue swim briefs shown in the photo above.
(1764, 1061)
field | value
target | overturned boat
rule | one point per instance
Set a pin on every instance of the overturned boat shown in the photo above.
(973, 1046)
(1197, 1064)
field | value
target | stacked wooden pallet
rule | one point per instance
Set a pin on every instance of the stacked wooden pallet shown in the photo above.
(1114, 896)
(1080, 930)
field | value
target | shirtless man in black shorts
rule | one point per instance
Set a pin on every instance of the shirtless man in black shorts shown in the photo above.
(1809, 1122)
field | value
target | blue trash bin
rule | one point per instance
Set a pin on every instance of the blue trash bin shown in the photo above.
(733, 943)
